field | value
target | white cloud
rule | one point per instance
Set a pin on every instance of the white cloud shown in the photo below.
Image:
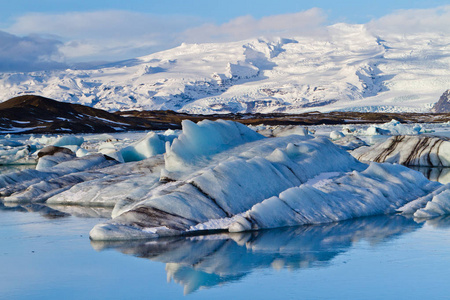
(413, 21)
(117, 35)
(29, 53)
(309, 22)
(106, 35)
(114, 35)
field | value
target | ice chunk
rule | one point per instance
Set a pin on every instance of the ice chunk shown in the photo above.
(17, 155)
(439, 206)
(150, 145)
(82, 152)
(32, 185)
(289, 130)
(68, 140)
(408, 150)
(51, 156)
(335, 135)
(394, 127)
(203, 139)
(232, 185)
(380, 189)
(110, 150)
(119, 185)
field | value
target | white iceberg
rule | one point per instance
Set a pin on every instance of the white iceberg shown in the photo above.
(408, 150)
(255, 182)
(150, 145)
(394, 127)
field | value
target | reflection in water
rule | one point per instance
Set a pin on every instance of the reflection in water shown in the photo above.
(14, 168)
(439, 174)
(438, 222)
(205, 261)
(59, 211)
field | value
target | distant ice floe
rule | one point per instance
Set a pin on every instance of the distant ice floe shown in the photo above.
(225, 176)
(408, 150)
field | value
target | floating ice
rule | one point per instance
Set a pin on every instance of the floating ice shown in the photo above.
(206, 138)
(68, 140)
(119, 186)
(36, 185)
(394, 127)
(380, 189)
(335, 135)
(254, 172)
(150, 145)
(408, 150)
(263, 183)
(438, 206)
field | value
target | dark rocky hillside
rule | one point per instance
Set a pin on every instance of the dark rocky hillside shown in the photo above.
(443, 105)
(310, 118)
(36, 114)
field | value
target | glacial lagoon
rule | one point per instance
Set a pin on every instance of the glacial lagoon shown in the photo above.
(48, 255)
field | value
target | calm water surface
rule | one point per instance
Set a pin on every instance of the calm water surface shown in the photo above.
(45, 253)
(48, 255)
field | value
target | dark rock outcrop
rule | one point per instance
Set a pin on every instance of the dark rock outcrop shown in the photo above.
(36, 114)
(51, 150)
(443, 105)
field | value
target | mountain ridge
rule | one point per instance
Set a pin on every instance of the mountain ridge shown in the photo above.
(348, 69)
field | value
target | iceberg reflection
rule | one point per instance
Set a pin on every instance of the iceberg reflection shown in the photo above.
(439, 174)
(59, 211)
(204, 261)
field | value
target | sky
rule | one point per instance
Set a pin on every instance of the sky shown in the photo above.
(56, 34)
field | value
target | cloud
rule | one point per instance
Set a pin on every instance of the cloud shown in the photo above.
(49, 40)
(29, 53)
(115, 35)
(309, 22)
(106, 35)
(413, 21)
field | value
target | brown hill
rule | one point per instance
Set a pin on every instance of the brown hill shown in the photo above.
(36, 114)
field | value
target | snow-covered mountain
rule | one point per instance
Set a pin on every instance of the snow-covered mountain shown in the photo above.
(347, 68)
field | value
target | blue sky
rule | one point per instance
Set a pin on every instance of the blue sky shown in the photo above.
(49, 34)
(353, 11)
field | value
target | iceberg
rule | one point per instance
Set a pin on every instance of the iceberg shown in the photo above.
(251, 182)
(231, 182)
(224, 176)
(117, 186)
(38, 185)
(408, 150)
(394, 127)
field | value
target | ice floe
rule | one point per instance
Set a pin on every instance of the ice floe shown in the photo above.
(225, 176)
(408, 150)
(264, 184)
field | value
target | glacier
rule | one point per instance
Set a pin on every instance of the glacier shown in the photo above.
(349, 68)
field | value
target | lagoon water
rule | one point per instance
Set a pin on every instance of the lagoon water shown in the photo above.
(48, 255)
(45, 253)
